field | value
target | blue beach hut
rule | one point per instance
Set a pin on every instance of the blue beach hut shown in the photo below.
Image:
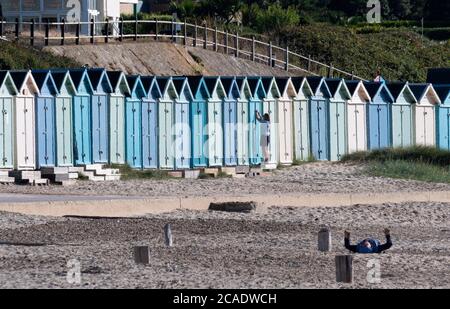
(100, 115)
(133, 122)
(150, 123)
(319, 118)
(379, 116)
(199, 121)
(45, 119)
(182, 123)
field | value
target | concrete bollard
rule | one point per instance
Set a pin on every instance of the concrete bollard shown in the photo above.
(344, 268)
(324, 240)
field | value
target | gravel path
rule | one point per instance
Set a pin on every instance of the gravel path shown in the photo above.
(309, 178)
(274, 248)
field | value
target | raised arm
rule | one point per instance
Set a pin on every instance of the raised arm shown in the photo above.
(347, 243)
(258, 116)
(388, 243)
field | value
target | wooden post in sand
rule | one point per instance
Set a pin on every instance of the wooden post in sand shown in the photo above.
(344, 268)
(142, 255)
(325, 240)
(168, 235)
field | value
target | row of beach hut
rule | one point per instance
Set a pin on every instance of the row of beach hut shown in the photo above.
(85, 116)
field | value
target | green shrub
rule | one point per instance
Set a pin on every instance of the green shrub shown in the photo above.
(421, 154)
(409, 170)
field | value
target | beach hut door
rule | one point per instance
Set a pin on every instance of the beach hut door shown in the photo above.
(230, 120)
(46, 141)
(319, 130)
(149, 134)
(6, 127)
(100, 133)
(64, 131)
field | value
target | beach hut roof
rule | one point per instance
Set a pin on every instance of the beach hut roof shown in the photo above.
(198, 86)
(151, 86)
(44, 78)
(97, 76)
(317, 84)
(119, 81)
(443, 93)
(401, 88)
(244, 87)
(6, 79)
(167, 87)
(422, 90)
(215, 85)
(355, 86)
(231, 87)
(439, 76)
(136, 85)
(374, 89)
(286, 87)
(182, 87)
(79, 76)
(256, 85)
(21, 78)
(62, 78)
(301, 83)
(336, 85)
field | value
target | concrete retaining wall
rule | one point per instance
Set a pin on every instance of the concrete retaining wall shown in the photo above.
(137, 207)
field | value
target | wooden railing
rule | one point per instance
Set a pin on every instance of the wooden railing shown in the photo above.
(62, 33)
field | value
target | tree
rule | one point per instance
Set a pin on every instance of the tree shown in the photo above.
(401, 9)
(185, 8)
(275, 19)
(226, 10)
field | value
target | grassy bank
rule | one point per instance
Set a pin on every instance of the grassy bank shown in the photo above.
(415, 163)
(17, 57)
(400, 52)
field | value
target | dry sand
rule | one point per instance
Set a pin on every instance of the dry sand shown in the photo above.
(309, 178)
(273, 249)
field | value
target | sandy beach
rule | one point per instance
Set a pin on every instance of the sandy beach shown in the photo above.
(322, 177)
(273, 247)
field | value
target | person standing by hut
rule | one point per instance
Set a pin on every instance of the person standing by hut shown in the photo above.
(265, 134)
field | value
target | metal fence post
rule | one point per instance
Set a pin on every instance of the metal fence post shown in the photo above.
(236, 43)
(63, 32)
(32, 32)
(195, 34)
(287, 59)
(47, 31)
(156, 29)
(205, 35)
(1, 27)
(121, 29)
(227, 48)
(173, 30)
(78, 27)
(216, 46)
(270, 53)
(92, 31)
(135, 29)
(309, 63)
(17, 29)
(185, 33)
(253, 49)
(107, 31)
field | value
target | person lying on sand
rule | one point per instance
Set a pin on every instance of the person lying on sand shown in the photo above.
(368, 246)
